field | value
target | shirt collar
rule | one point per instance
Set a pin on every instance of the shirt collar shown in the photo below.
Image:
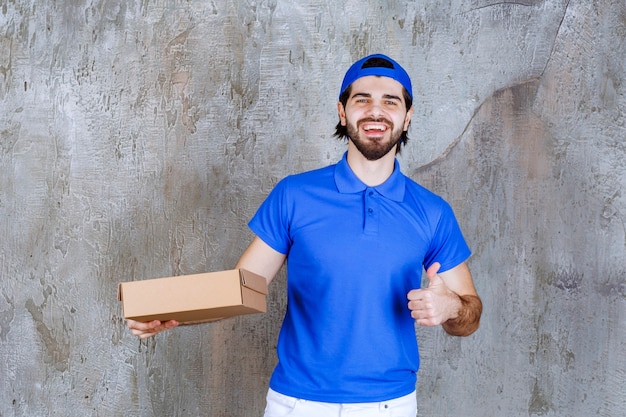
(347, 182)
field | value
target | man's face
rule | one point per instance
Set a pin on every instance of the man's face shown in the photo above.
(375, 115)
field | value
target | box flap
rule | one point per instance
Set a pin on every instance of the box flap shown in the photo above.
(253, 281)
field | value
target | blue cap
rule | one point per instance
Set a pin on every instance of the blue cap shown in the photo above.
(357, 71)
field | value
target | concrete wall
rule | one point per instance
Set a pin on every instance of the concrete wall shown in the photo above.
(138, 137)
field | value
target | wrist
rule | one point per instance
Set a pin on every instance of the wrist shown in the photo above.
(456, 305)
(467, 318)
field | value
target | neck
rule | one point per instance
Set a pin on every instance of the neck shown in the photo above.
(372, 173)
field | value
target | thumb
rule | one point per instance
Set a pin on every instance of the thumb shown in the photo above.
(431, 274)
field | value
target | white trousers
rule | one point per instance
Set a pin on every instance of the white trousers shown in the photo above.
(279, 405)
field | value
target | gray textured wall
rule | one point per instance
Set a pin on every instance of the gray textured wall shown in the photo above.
(138, 137)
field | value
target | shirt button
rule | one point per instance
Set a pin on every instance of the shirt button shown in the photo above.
(371, 193)
(370, 210)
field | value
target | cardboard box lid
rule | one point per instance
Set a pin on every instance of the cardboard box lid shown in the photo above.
(197, 297)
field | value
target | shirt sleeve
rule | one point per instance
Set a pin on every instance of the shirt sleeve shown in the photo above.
(448, 246)
(271, 222)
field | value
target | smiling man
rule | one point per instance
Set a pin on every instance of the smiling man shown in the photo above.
(356, 236)
(373, 102)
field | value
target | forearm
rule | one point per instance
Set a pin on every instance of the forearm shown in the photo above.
(468, 318)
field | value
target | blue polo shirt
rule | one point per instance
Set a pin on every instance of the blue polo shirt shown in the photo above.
(353, 254)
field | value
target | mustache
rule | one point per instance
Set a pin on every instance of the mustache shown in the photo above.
(384, 120)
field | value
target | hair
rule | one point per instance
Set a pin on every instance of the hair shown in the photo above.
(341, 132)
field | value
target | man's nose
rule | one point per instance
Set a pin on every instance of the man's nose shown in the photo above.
(375, 110)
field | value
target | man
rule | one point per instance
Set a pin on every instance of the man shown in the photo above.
(356, 236)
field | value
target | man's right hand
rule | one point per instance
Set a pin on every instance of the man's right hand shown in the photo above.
(149, 329)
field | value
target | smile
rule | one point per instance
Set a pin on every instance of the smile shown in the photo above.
(374, 127)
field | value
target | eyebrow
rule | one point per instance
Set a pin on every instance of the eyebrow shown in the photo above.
(391, 96)
(385, 96)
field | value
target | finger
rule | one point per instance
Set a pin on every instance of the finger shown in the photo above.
(434, 278)
(170, 324)
(421, 306)
(144, 330)
(420, 296)
(426, 315)
(423, 312)
(142, 326)
(432, 270)
(143, 335)
(414, 295)
(426, 322)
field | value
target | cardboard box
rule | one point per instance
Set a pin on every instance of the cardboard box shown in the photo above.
(194, 298)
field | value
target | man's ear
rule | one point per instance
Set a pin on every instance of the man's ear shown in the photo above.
(407, 119)
(342, 113)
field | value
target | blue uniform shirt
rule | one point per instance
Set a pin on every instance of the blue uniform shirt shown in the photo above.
(353, 254)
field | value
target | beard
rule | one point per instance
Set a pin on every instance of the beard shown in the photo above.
(373, 148)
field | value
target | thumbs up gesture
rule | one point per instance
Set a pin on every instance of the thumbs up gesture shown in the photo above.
(435, 304)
